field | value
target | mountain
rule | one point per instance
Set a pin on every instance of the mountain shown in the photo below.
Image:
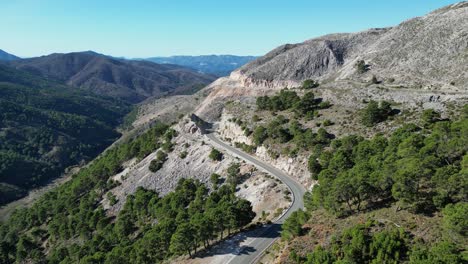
(5, 56)
(47, 126)
(430, 51)
(219, 65)
(420, 61)
(132, 81)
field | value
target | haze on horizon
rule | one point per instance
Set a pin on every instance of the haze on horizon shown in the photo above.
(141, 29)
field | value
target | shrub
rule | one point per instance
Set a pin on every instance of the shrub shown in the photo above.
(112, 198)
(215, 155)
(309, 84)
(324, 105)
(183, 154)
(155, 165)
(158, 162)
(361, 66)
(327, 122)
(255, 118)
(245, 147)
(373, 113)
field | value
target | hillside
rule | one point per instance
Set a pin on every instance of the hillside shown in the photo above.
(132, 81)
(219, 65)
(420, 62)
(428, 51)
(46, 127)
(373, 125)
(5, 56)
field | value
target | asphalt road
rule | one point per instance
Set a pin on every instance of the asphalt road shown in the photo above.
(262, 239)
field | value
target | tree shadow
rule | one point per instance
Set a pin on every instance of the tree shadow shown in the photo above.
(233, 244)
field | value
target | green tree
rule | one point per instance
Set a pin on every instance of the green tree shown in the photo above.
(292, 227)
(182, 241)
(259, 135)
(455, 217)
(429, 117)
(233, 174)
(214, 179)
(371, 114)
(215, 155)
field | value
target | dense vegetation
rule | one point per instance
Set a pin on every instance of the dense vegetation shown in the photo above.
(423, 170)
(281, 130)
(305, 106)
(73, 209)
(46, 127)
(148, 229)
(363, 244)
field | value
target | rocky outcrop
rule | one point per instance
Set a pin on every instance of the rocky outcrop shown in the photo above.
(428, 50)
(295, 167)
(422, 58)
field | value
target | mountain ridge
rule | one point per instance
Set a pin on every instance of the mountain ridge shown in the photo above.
(5, 56)
(219, 65)
(132, 81)
(411, 63)
(405, 52)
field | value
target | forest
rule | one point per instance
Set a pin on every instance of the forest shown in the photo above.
(70, 225)
(420, 169)
(46, 127)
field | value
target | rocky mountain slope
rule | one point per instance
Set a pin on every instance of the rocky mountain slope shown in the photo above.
(5, 56)
(132, 81)
(219, 65)
(420, 62)
(430, 51)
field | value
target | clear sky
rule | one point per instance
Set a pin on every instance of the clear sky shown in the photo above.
(137, 28)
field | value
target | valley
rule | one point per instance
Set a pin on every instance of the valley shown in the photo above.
(344, 148)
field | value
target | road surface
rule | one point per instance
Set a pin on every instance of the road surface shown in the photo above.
(259, 240)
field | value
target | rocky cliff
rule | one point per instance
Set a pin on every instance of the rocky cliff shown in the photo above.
(420, 62)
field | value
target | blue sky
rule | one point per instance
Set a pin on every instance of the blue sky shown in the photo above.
(137, 28)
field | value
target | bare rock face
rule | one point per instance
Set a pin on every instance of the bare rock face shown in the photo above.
(426, 50)
(295, 167)
(194, 164)
(419, 59)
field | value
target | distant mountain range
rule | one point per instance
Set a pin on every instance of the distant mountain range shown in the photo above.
(219, 65)
(129, 80)
(5, 56)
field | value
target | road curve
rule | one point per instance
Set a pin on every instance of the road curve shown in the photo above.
(268, 234)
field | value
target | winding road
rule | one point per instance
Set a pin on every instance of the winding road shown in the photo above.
(261, 239)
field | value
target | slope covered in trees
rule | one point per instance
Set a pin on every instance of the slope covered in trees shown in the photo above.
(46, 127)
(69, 224)
(416, 172)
